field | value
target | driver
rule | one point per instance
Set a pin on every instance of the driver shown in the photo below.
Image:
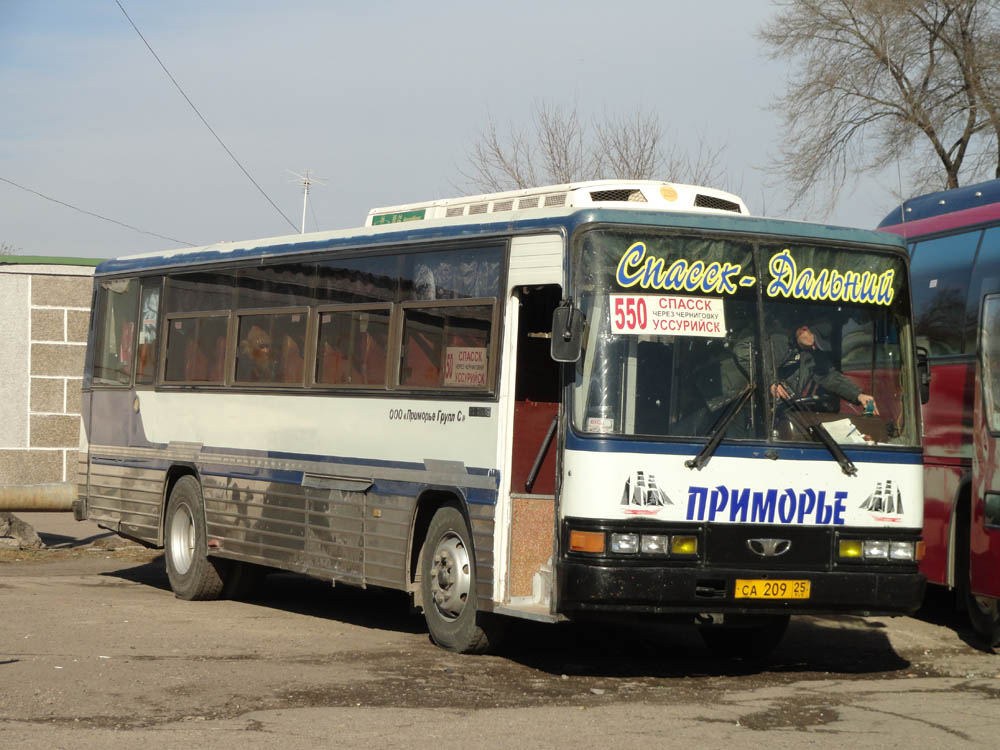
(803, 367)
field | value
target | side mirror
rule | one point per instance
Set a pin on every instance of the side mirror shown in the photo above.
(923, 375)
(567, 332)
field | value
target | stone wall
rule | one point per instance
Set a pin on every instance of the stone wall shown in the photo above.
(44, 311)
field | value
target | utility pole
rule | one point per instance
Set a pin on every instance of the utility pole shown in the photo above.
(307, 182)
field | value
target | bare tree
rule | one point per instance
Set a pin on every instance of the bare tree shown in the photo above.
(557, 148)
(628, 146)
(7, 249)
(561, 142)
(496, 164)
(884, 82)
(704, 166)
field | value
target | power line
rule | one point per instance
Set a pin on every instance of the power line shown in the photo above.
(204, 121)
(96, 216)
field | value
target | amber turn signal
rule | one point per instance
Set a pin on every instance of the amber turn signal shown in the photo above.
(586, 541)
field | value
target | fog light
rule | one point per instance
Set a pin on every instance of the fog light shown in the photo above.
(625, 544)
(586, 541)
(655, 544)
(684, 545)
(850, 548)
(876, 549)
(901, 551)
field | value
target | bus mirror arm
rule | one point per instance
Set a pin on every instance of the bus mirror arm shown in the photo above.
(923, 374)
(567, 332)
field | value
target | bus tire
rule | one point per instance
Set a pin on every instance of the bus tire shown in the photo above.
(984, 614)
(193, 575)
(448, 585)
(751, 641)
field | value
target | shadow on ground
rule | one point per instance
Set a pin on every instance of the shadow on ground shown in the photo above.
(941, 608)
(842, 646)
(59, 541)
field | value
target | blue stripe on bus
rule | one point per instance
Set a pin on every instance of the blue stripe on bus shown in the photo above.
(208, 467)
(568, 222)
(740, 450)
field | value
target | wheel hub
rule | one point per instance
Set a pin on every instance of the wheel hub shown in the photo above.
(182, 539)
(451, 576)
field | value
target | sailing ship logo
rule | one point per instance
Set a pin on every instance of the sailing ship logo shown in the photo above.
(885, 503)
(643, 496)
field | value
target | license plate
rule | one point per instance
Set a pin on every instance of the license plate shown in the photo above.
(751, 588)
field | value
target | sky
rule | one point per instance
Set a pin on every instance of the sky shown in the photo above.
(381, 100)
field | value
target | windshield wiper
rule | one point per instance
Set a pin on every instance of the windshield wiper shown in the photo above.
(719, 430)
(819, 433)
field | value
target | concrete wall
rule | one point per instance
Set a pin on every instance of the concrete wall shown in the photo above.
(44, 313)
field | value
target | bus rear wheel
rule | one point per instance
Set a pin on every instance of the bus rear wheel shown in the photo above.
(750, 639)
(448, 586)
(193, 575)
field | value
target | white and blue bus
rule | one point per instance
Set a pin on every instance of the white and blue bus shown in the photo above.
(588, 400)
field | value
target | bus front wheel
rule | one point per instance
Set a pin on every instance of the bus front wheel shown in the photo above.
(448, 585)
(193, 575)
(984, 613)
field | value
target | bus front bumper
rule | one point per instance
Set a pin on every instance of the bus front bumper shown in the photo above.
(599, 588)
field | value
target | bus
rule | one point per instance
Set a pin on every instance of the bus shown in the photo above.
(572, 402)
(954, 243)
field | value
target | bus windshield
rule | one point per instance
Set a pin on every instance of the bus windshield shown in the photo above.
(681, 324)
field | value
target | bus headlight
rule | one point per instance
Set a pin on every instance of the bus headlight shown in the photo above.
(625, 544)
(655, 544)
(684, 545)
(880, 550)
(850, 549)
(901, 551)
(876, 549)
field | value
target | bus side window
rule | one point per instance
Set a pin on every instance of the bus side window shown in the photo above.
(985, 280)
(196, 349)
(447, 346)
(291, 360)
(990, 343)
(352, 346)
(271, 347)
(118, 310)
(147, 350)
(372, 357)
(422, 349)
(940, 274)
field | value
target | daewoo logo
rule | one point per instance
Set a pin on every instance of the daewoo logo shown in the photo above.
(769, 547)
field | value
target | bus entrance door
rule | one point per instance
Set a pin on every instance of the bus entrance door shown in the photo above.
(533, 449)
(984, 530)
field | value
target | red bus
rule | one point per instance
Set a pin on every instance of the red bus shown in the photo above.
(954, 243)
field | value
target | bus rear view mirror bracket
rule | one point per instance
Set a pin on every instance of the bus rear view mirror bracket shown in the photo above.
(923, 374)
(567, 332)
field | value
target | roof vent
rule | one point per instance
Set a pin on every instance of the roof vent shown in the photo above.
(478, 208)
(531, 202)
(555, 199)
(635, 196)
(454, 211)
(720, 204)
(506, 205)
